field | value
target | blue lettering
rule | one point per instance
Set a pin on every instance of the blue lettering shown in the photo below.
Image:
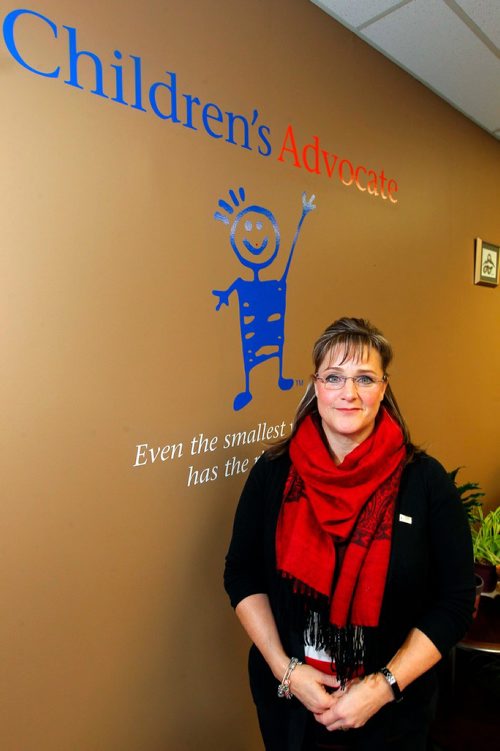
(217, 117)
(262, 130)
(190, 100)
(163, 95)
(172, 88)
(118, 80)
(74, 56)
(232, 118)
(137, 105)
(8, 35)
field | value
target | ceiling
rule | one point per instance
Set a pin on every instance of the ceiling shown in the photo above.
(451, 46)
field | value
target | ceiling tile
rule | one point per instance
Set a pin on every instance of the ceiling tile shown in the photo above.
(355, 13)
(462, 70)
(485, 14)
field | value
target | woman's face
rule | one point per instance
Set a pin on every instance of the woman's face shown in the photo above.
(348, 414)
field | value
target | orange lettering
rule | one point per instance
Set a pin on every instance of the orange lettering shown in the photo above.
(360, 187)
(373, 183)
(292, 149)
(328, 168)
(390, 189)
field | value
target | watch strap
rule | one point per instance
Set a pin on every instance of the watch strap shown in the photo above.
(398, 696)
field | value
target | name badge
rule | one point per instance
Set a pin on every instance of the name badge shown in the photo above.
(405, 519)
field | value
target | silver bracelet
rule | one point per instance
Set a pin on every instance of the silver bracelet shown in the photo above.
(284, 687)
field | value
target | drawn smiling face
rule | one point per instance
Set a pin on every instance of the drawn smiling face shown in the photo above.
(255, 237)
(252, 242)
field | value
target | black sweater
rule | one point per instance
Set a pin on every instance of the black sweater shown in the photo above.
(430, 583)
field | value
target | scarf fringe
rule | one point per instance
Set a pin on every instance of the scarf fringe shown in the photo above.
(307, 613)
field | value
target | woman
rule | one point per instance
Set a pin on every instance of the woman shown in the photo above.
(350, 564)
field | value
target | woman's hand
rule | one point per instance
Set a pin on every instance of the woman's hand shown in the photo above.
(363, 698)
(308, 685)
(353, 706)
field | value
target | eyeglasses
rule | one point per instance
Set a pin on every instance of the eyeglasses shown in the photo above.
(335, 382)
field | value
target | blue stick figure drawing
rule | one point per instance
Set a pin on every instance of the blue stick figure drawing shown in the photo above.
(255, 238)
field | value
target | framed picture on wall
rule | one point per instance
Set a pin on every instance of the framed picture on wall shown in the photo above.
(486, 265)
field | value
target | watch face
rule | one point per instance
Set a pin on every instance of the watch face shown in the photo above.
(393, 683)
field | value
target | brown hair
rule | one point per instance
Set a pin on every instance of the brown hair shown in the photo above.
(353, 337)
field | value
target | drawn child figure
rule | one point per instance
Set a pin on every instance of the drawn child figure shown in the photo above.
(255, 238)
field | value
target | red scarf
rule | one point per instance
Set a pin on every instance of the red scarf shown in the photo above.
(349, 506)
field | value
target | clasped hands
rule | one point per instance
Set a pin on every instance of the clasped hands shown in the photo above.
(343, 708)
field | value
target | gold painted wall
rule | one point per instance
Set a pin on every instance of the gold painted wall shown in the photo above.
(115, 632)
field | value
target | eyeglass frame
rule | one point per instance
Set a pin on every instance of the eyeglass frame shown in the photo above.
(354, 379)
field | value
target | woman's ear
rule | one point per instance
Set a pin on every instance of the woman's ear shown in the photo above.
(383, 391)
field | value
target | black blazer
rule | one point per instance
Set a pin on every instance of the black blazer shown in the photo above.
(430, 583)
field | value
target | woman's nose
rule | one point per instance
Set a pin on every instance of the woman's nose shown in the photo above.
(349, 390)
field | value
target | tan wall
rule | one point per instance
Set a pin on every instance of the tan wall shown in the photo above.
(115, 632)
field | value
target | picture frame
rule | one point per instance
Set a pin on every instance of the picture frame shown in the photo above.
(486, 265)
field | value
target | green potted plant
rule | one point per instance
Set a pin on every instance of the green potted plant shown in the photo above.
(486, 545)
(470, 494)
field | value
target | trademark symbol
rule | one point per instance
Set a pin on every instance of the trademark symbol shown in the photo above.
(299, 382)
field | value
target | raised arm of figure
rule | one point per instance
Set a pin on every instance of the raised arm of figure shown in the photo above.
(306, 683)
(308, 205)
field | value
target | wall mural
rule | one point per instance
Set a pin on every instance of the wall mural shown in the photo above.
(167, 100)
(59, 54)
(255, 238)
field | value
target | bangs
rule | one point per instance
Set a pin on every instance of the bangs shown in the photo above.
(353, 348)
